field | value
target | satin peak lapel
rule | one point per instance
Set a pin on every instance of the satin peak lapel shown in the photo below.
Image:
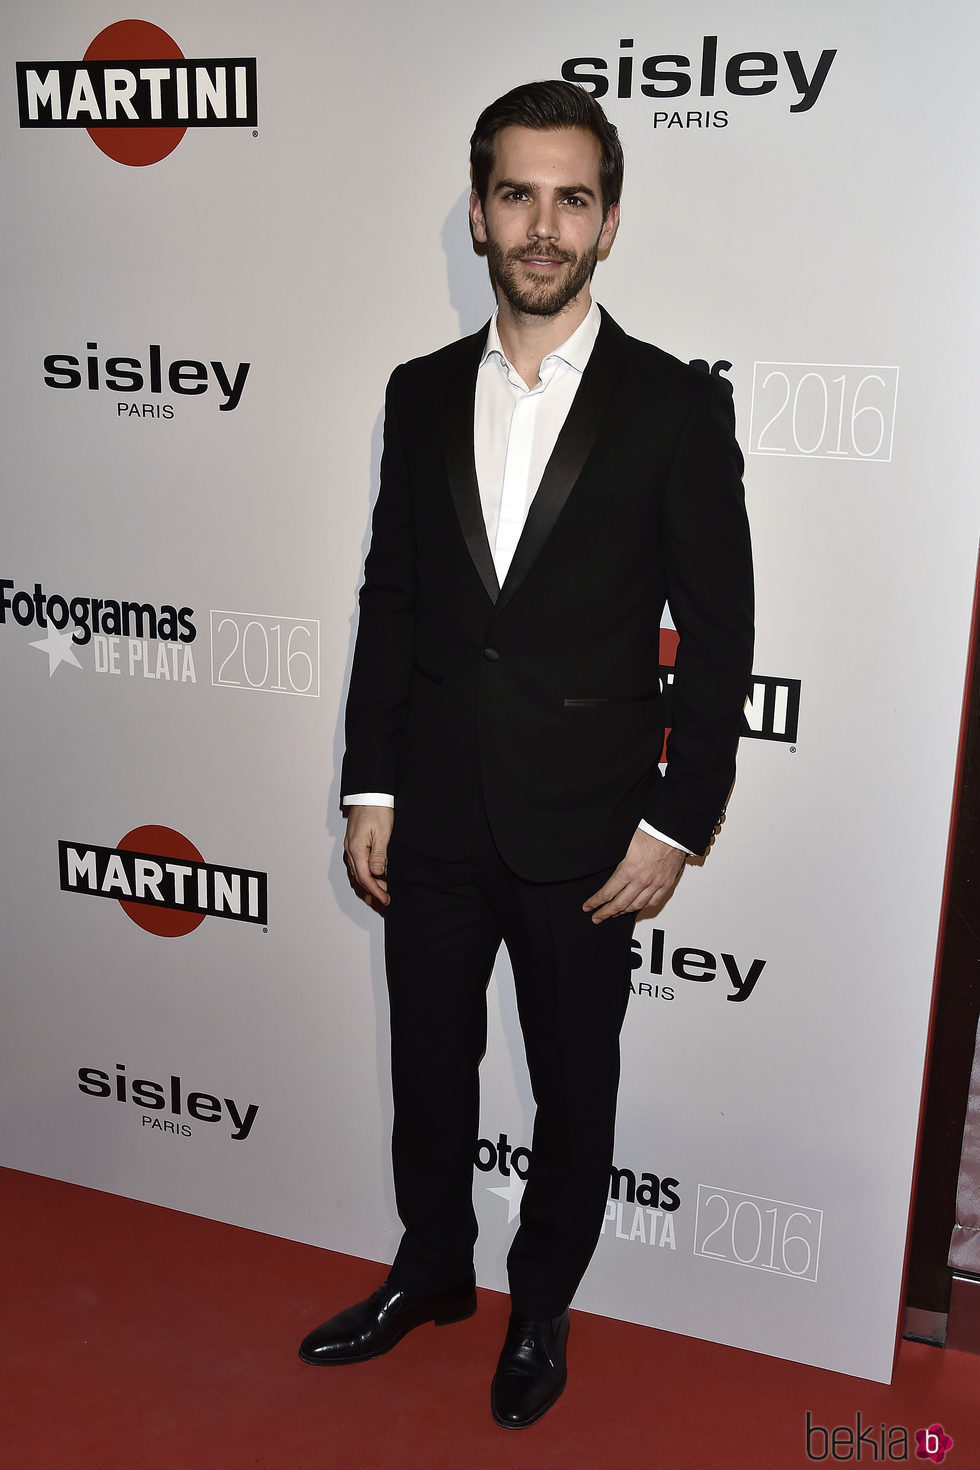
(572, 449)
(461, 470)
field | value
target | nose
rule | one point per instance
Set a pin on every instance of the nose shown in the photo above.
(544, 220)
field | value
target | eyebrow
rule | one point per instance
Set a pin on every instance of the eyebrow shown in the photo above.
(528, 188)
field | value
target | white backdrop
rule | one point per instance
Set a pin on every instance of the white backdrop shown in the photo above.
(797, 220)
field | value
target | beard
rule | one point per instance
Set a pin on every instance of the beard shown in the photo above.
(535, 296)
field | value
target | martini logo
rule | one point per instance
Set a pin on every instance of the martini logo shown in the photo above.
(136, 93)
(772, 709)
(162, 882)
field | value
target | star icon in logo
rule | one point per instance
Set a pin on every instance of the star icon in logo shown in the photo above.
(58, 648)
(513, 1193)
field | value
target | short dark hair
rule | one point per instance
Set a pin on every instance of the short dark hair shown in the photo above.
(544, 105)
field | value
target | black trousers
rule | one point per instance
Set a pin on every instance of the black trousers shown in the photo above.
(443, 928)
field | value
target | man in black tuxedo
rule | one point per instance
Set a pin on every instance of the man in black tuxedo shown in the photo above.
(546, 486)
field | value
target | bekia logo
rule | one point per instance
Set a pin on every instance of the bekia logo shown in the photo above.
(157, 637)
(162, 882)
(704, 74)
(136, 93)
(886, 1443)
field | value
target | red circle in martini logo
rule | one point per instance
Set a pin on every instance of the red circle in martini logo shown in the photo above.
(161, 842)
(135, 41)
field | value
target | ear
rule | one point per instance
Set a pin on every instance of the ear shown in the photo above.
(609, 227)
(478, 224)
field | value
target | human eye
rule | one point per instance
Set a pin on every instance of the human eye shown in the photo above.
(574, 201)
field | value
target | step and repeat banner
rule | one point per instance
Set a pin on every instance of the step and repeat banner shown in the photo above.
(225, 224)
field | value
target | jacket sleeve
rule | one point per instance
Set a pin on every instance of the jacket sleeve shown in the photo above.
(377, 699)
(708, 565)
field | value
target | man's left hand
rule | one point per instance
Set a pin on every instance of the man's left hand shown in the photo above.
(644, 879)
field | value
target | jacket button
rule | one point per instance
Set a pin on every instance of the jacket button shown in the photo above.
(491, 655)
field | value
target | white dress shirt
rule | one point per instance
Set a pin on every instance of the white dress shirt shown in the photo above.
(515, 429)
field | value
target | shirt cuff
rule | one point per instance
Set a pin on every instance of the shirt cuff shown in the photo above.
(661, 836)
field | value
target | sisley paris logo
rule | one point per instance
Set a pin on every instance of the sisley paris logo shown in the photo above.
(162, 882)
(151, 374)
(708, 72)
(171, 1097)
(136, 93)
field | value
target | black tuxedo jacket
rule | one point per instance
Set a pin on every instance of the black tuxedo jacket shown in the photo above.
(541, 698)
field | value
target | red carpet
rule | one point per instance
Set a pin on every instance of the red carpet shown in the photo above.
(139, 1338)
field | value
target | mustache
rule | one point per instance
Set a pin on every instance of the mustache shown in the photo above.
(525, 252)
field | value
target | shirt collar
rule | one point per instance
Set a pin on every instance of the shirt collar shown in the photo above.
(575, 350)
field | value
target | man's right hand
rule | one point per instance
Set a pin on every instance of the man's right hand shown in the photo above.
(366, 850)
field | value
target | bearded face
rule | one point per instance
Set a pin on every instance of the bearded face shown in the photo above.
(539, 280)
(542, 219)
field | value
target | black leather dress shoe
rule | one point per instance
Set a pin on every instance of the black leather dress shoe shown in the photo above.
(531, 1371)
(371, 1327)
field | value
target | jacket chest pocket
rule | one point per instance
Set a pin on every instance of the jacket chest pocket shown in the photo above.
(610, 700)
